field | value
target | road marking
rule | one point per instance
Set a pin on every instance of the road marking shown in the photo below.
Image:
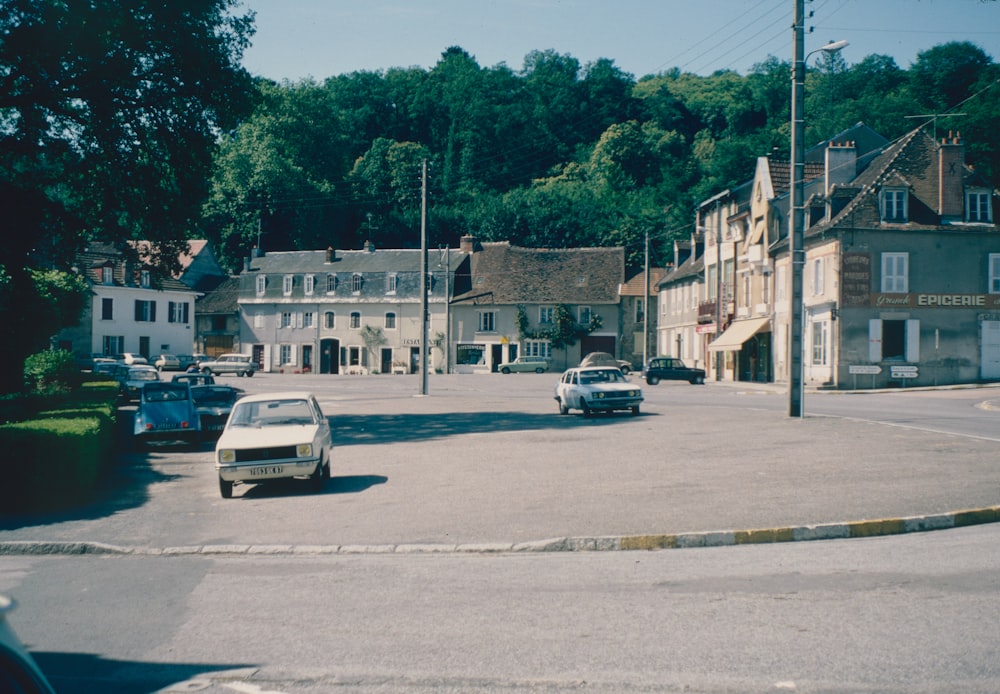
(247, 688)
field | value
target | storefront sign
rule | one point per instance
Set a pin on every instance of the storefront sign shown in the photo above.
(856, 278)
(866, 369)
(936, 300)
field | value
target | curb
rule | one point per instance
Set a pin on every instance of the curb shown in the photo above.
(723, 538)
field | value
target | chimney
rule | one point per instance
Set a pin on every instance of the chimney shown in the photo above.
(370, 246)
(469, 244)
(331, 254)
(841, 164)
(951, 190)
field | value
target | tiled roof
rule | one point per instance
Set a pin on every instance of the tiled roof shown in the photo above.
(636, 284)
(222, 299)
(505, 274)
(97, 255)
(388, 260)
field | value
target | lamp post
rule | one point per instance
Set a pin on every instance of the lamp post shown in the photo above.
(797, 236)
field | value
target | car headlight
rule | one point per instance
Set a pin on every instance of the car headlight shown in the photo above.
(304, 450)
(599, 395)
(227, 456)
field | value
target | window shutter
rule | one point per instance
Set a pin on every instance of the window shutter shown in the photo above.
(293, 354)
(186, 310)
(875, 340)
(299, 320)
(138, 310)
(152, 311)
(267, 355)
(912, 341)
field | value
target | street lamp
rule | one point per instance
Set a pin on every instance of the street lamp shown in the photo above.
(797, 237)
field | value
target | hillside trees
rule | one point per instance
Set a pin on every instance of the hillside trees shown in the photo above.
(109, 112)
(562, 154)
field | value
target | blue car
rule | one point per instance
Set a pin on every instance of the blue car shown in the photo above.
(166, 412)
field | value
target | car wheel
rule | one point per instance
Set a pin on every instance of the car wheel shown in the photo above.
(586, 408)
(241, 374)
(562, 407)
(698, 381)
(505, 370)
(626, 370)
(317, 478)
(207, 371)
(326, 470)
(635, 410)
(249, 374)
(653, 380)
(226, 489)
(539, 370)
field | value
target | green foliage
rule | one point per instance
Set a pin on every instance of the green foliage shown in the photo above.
(51, 371)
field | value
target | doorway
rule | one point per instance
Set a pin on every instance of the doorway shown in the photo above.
(329, 356)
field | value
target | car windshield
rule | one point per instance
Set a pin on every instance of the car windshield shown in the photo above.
(601, 376)
(165, 394)
(207, 395)
(268, 413)
(143, 375)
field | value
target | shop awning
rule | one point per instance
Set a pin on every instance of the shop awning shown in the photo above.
(738, 332)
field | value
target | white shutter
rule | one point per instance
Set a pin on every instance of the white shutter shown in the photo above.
(912, 341)
(267, 357)
(293, 354)
(875, 340)
(299, 322)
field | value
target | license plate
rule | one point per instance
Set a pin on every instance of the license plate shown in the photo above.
(263, 471)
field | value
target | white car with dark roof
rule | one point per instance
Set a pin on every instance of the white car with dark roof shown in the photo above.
(594, 389)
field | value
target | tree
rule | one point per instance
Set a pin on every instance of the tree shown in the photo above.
(109, 111)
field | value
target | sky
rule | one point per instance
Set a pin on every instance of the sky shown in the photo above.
(299, 39)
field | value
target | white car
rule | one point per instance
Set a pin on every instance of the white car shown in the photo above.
(274, 436)
(18, 671)
(239, 364)
(596, 389)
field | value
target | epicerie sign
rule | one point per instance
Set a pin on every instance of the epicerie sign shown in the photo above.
(976, 300)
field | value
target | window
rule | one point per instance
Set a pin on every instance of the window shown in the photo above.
(331, 283)
(745, 298)
(640, 310)
(584, 315)
(487, 321)
(178, 311)
(895, 273)
(144, 279)
(356, 284)
(817, 276)
(390, 283)
(261, 284)
(537, 348)
(308, 319)
(994, 273)
(893, 340)
(107, 275)
(107, 309)
(145, 311)
(390, 321)
(285, 319)
(470, 354)
(355, 320)
(781, 283)
(286, 285)
(545, 314)
(330, 320)
(977, 206)
(285, 356)
(114, 344)
(258, 320)
(819, 342)
(218, 323)
(309, 284)
(894, 205)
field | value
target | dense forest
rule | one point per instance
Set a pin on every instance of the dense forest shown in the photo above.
(556, 154)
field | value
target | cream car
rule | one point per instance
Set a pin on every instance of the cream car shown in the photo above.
(239, 364)
(593, 389)
(274, 436)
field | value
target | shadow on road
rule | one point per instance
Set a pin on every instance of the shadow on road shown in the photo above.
(84, 673)
(350, 484)
(363, 430)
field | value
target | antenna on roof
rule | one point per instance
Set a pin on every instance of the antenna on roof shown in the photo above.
(934, 117)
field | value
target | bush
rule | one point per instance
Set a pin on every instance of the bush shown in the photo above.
(50, 372)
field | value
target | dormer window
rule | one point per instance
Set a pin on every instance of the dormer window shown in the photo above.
(107, 275)
(144, 279)
(356, 284)
(261, 284)
(977, 206)
(286, 285)
(308, 284)
(390, 283)
(893, 205)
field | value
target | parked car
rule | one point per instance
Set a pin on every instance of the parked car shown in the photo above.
(194, 379)
(18, 671)
(166, 412)
(213, 404)
(274, 436)
(132, 379)
(239, 364)
(671, 369)
(187, 360)
(605, 359)
(105, 368)
(525, 364)
(167, 362)
(596, 389)
(129, 358)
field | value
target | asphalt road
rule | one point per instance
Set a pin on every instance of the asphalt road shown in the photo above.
(486, 461)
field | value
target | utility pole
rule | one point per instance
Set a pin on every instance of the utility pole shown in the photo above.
(645, 307)
(424, 314)
(797, 252)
